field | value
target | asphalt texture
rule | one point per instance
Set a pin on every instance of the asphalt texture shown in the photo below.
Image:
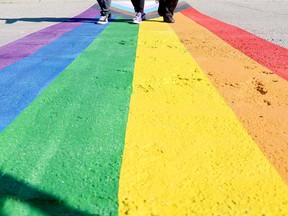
(267, 19)
(19, 19)
(187, 118)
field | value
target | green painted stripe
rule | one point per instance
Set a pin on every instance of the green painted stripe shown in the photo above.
(62, 155)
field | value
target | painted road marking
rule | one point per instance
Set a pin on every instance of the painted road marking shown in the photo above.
(234, 74)
(68, 143)
(23, 81)
(28, 45)
(150, 6)
(185, 150)
(251, 45)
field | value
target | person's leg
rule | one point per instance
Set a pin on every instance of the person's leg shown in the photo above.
(171, 4)
(105, 6)
(135, 5)
(139, 9)
(141, 6)
(105, 11)
(138, 5)
(162, 10)
(166, 9)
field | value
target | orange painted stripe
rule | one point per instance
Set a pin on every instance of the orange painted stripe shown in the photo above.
(256, 95)
(268, 54)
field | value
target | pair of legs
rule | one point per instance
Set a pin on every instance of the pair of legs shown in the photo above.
(106, 14)
(166, 9)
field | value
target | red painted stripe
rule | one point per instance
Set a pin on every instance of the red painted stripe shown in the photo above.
(269, 55)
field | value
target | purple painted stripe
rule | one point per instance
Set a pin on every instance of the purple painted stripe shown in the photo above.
(29, 44)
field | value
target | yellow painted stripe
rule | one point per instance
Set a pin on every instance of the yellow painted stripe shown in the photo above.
(241, 82)
(186, 153)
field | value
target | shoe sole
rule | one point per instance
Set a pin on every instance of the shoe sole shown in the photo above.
(102, 23)
(136, 22)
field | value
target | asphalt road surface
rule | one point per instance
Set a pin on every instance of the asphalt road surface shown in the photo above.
(188, 118)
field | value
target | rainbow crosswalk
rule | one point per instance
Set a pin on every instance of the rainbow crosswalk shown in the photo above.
(125, 119)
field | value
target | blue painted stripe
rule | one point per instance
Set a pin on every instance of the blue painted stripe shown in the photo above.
(122, 7)
(126, 8)
(21, 82)
(152, 9)
(131, 9)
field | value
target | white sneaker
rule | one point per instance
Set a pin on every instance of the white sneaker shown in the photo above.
(104, 19)
(139, 18)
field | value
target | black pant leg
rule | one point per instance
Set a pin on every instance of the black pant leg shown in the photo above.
(138, 5)
(162, 8)
(167, 7)
(105, 6)
(171, 4)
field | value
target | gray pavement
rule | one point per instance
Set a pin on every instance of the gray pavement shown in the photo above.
(19, 18)
(265, 18)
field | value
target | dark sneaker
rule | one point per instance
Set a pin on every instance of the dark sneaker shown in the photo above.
(143, 16)
(168, 19)
(104, 19)
(139, 18)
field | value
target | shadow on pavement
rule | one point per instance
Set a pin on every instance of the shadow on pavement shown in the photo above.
(47, 19)
(20, 191)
